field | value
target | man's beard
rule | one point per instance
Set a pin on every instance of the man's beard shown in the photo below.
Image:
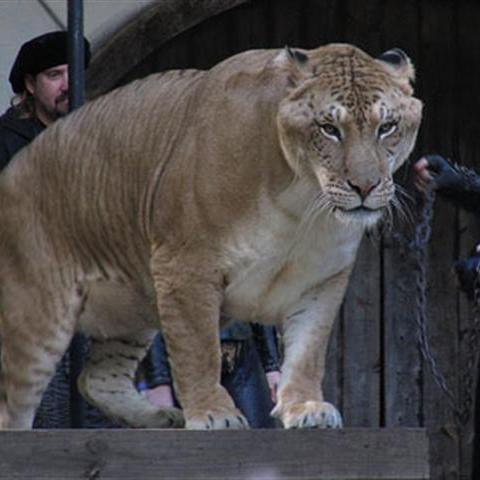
(61, 105)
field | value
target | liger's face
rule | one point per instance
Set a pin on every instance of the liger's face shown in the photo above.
(50, 91)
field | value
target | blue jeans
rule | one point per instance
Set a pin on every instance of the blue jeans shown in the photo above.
(247, 385)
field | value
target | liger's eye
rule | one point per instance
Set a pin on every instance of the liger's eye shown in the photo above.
(331, 131)
(386, 129)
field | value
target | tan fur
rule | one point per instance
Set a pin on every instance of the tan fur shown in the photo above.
(189, 193)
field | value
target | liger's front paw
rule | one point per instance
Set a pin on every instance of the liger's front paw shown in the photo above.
(310, 414)
(217, 420)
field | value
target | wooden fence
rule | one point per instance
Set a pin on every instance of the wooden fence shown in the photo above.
(376, 374)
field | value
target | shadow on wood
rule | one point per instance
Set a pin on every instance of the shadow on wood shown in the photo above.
(362, 454)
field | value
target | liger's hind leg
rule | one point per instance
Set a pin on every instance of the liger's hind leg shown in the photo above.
(107, 381)
(32, 346)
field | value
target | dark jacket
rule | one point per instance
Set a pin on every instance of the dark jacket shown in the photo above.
(16, 133)
(157, 369)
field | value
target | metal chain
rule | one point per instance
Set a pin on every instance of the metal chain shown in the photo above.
(422, 236)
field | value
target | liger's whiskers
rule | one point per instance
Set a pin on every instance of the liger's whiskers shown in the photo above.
(402, 205)
(403, 192)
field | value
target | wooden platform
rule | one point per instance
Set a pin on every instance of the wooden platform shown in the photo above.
(366, 454)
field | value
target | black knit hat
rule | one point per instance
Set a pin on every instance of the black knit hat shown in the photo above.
(39, 54)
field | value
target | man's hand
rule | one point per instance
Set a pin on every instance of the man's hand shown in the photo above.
(422, 175)
(436, 171)
(273, 379)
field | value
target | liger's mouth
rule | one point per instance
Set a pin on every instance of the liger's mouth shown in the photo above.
(361, 208)
(361, 213)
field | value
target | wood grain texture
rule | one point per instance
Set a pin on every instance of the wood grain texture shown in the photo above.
(361, 340)
(360, 454)
(440, 96)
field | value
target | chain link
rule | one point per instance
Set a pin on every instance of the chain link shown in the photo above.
(461, 411)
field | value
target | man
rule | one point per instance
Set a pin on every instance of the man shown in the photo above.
(462, 187)
(39, 79)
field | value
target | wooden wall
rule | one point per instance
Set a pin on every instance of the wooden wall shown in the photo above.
(376, 374)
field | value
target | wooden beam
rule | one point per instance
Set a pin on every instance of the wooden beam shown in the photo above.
(145, 33)
(394, 454)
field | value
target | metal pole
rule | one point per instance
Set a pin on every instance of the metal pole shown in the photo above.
(76, 96)
(76, 54)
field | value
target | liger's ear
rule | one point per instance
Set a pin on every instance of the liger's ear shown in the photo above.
(296, 55)
(399, 64)
(295, 62)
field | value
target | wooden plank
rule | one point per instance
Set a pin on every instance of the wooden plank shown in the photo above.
(361, 341)
(174, 54)
(319, 22)
(361, 24)
(469, 235)
(206, 48)
(436, 83)
(397, 454)
(402, 370)
(248, 26)
(283, 23)
(467, 152)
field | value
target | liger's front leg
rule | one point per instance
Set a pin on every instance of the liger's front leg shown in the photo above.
(189, 298)
(306, 333)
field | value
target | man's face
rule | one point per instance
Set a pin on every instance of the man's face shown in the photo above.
(50, 92)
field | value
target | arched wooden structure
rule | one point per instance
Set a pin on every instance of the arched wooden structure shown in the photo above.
(147, 32)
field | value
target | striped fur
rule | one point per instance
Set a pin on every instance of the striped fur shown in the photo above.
(188, 193)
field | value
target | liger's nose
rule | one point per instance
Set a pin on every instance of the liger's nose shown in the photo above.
(364, 189)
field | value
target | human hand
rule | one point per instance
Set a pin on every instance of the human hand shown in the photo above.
(273, 379)
(422, 176)
(161, 396)
(435, 171)
(467, 272)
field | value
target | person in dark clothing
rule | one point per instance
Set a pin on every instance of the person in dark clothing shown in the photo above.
(16, 133)
(461, 186)
(250, 371)
(39, 80)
